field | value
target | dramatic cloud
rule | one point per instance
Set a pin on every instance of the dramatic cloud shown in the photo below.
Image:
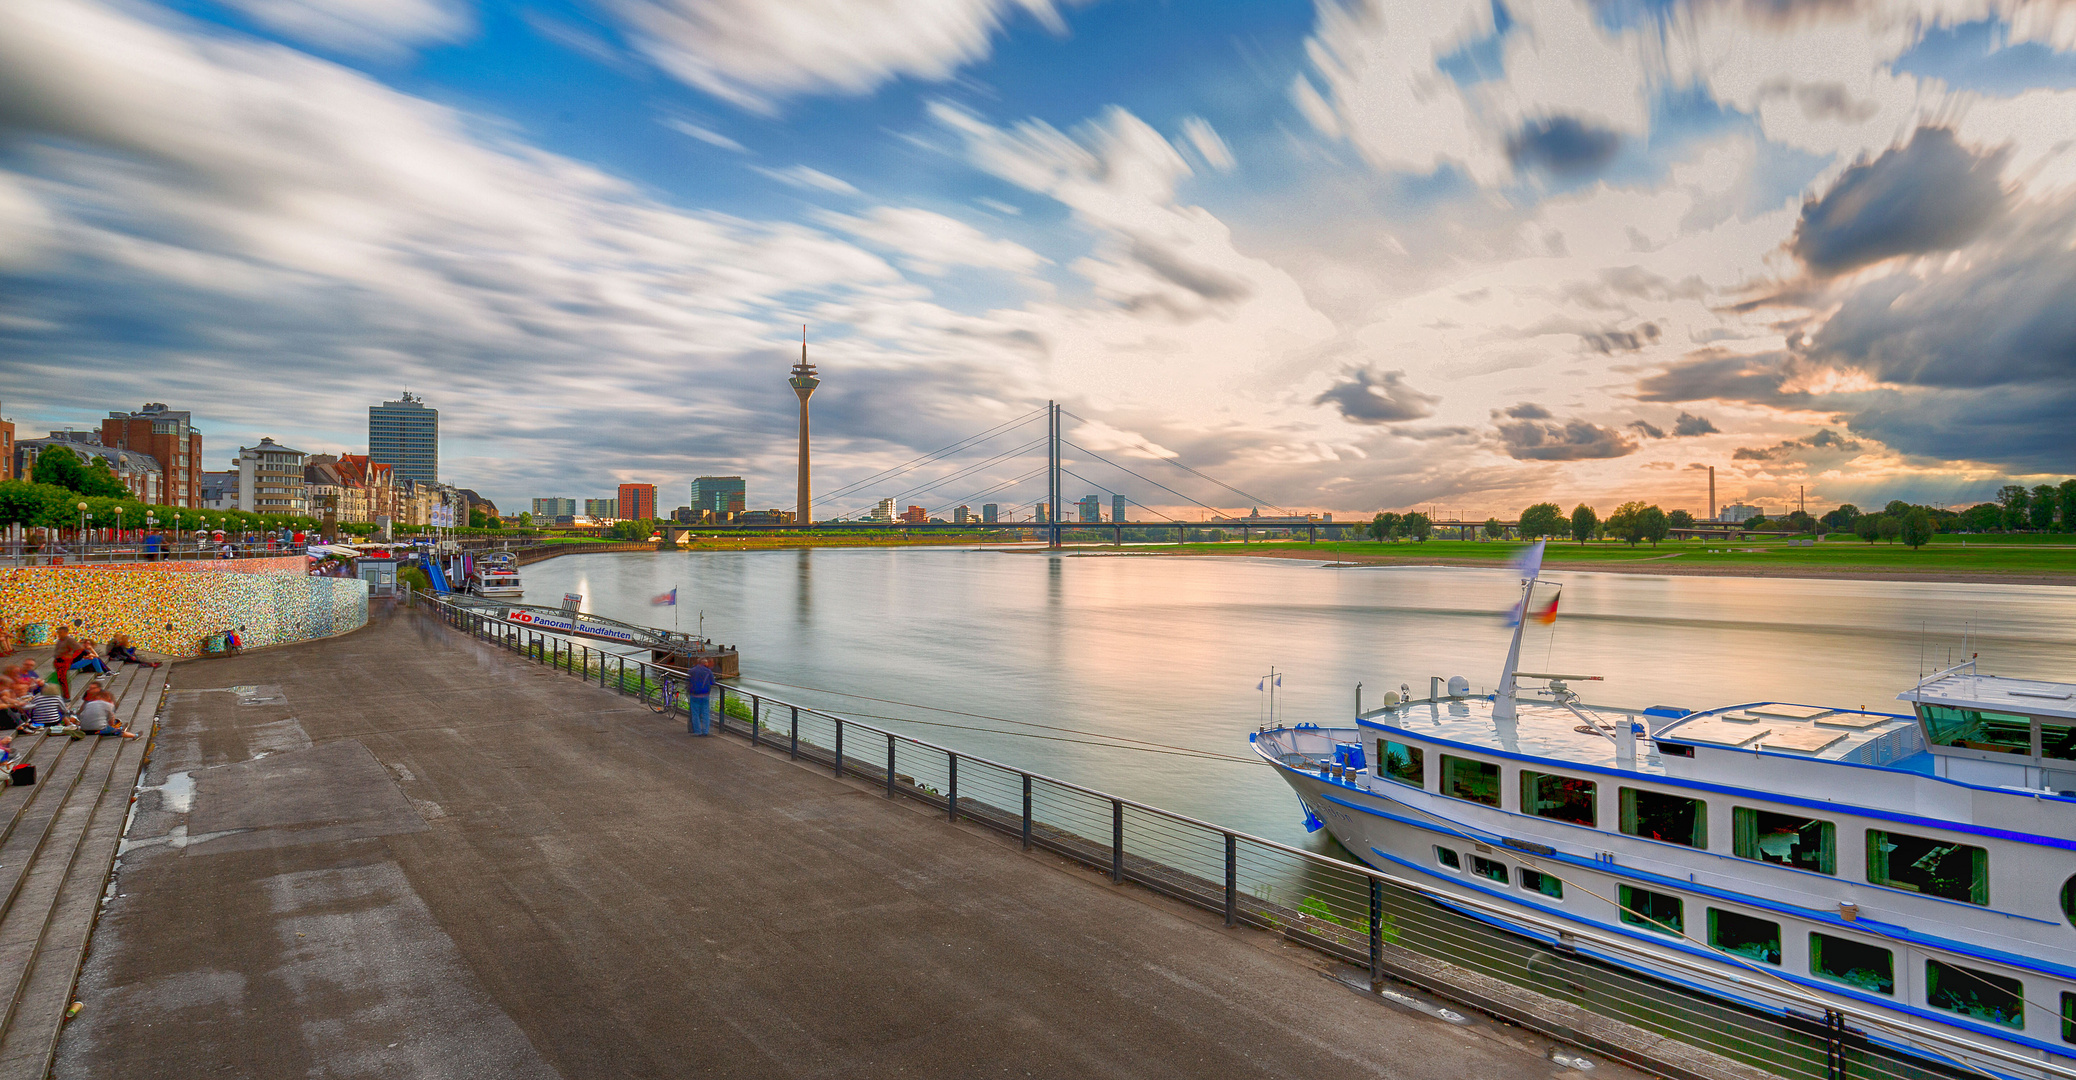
(1931, 195)
(1368, 396)
(756, 53)
(1825, 440)
(1689, 424)
(1564, 145)
(1647, 429)
(1529, 433)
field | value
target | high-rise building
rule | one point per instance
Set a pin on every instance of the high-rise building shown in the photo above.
(719, 495)
(1044, 515)
(270, 480)
(962, 515)
(915, 515)
(1117, 505)
(552, 508)
(7, 450)
(1091, 508)
(804, 383)
(882, 512)
(602, 508)
(170, 438)
(988, 512)
(637, 502)
(406, 435)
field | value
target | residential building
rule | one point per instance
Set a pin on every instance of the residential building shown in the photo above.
(719, 495)
(139, 472)
(989, 512)
(882, 512)
(637, 502)
(1738, 512)
(219, 491)
(7, 450)
(474, 503)
(406, 436)
(767, 517)
(962, 515)
(550, 509)
(916, 515)
(371, 490)
(1091, 507)
(325, 488)
(602, 508)
(169, 436)
(270, 479)
(1117, 508)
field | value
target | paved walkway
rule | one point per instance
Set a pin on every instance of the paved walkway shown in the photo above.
(401, 853)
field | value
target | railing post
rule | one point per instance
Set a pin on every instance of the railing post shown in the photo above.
(1232, 880)
(1376, 934)
(793, 747)
(890, 764)
(756, 717)
(951, 800)
(839, 747)
(1027, 811)
(1834, 1045)
(1117, 841)
(721, 704)
(623, 675)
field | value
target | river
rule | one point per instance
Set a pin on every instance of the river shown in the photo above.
(1169, 651)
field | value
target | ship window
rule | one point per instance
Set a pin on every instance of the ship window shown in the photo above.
(2069, 1017)
(2057, 741)
(1977, 995)
(1753, 939)
(1561, 797)
(1804, 843)
(1466, 778)
(1674, 819)
(1933, 867)
(1447, 858)
(1854, 963)
(1655, 911)
(1401, 762)
(1489, 868)
(1978, 730)
(2069, 899)
(1536, 881)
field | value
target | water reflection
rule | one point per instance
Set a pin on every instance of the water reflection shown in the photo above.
(1169, 650)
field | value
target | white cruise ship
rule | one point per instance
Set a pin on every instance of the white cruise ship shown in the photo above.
(1915, 865)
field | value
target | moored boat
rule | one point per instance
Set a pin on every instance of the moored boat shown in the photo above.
(1913, 864)
(495, 580)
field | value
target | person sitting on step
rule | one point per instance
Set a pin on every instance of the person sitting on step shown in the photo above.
(46, 712)
(97, 715)
(119, 648)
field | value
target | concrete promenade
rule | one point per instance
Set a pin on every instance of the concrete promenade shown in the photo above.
(401, 853)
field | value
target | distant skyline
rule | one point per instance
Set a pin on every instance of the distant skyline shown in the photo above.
(1470, 254)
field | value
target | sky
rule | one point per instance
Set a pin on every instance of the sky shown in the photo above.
(1342, 257)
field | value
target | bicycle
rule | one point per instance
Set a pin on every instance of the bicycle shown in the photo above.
(669, 703)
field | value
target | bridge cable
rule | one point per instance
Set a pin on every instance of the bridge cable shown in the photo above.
(950, 448)
(1178, 464)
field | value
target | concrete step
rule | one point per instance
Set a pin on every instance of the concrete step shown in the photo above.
(46, 752)
(30, 1034)
(54, 865)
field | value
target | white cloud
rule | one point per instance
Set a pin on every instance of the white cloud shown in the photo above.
(930, 243)
(806, 179)
(1384, 92)
(1206, 142)
(709, 136)
(757, 52)
(378, 28)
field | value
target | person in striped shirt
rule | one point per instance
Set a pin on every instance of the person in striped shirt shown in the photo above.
(46, 712)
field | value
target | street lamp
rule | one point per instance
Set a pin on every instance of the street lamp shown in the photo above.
(83, 541)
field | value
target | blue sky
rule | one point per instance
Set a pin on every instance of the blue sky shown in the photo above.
(1345, 256)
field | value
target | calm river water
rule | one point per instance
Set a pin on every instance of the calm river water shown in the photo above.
(1169, 651)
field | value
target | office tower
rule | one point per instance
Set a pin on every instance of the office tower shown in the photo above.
(406, 436)
(1117, 505)
(1091, 508)
(989, 512)
(637, 502)
(719, 495)
(552, 508)
(602, 508)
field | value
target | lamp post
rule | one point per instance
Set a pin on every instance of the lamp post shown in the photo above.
(118, 526)
(83, 541)
(151, 525)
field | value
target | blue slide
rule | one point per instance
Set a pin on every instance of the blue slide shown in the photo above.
(438, 576)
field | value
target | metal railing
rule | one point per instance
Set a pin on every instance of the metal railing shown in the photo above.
(1395, 928)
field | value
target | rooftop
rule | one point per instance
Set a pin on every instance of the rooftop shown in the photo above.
(1968, 690)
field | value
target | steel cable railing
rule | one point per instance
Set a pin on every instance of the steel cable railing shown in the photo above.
(1394, 927)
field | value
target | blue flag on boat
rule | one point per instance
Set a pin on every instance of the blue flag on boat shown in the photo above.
(669, 599)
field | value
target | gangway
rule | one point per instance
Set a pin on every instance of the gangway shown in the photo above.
(667, 648)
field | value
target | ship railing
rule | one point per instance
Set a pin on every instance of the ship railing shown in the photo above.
(1392, 930)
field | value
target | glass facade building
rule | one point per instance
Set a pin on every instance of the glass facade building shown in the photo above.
(405, 435)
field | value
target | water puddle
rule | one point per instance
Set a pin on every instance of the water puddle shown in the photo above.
(177, 838)
(177, 794)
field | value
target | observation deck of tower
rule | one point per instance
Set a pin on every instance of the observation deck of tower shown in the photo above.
(804, 383)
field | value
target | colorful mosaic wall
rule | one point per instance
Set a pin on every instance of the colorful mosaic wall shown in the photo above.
(173, 613)
(286, 564)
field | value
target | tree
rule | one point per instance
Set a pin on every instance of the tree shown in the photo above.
(1626, 522)
(2016, 503)
(1756, 522)
(1890, 526)
(58, 467)
(1896, 508)
(1679, 519)
(1543, 519)
(1917, 527)
(1583, 523)
(2045, 501)
(1800, 521)
(1416, 525)
(2068, 501)
(1841, 518)
(526, 519)
(1868, 526)
(1982, 517)
(1655, 525)
(1384, 525)
(1493, 529)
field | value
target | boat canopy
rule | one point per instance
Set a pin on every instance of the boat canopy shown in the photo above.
(1995, 693)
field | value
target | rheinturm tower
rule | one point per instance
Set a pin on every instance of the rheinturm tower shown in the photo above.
(804, 383)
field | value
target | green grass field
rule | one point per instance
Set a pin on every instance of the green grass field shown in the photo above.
(1946, 555)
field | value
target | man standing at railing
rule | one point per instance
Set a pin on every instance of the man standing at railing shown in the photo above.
(699, 688)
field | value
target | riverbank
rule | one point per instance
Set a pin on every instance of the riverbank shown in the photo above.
(1982, 563)
(407, 853)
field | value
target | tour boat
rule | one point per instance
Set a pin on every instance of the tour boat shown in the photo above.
(493, 581)
(1917, 866)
